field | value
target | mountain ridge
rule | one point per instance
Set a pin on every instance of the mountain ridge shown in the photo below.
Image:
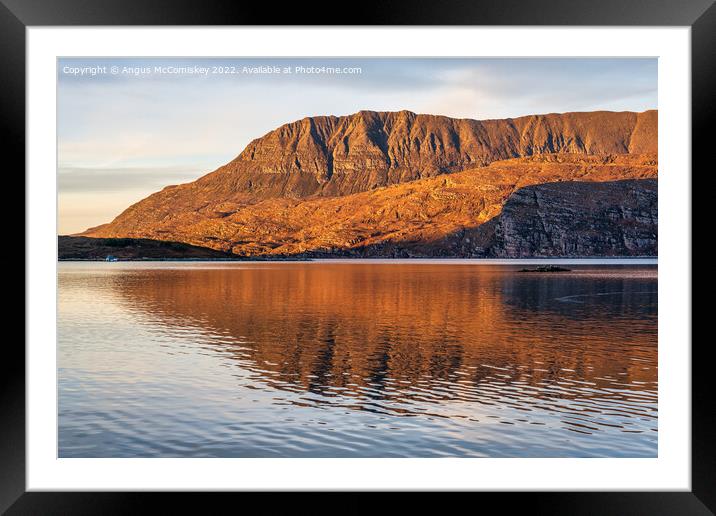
(329, 155)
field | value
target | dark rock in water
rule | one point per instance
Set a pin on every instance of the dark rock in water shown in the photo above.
(547, 268)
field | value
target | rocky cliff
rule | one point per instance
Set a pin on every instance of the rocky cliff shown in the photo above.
(614, 218)
(349, 154)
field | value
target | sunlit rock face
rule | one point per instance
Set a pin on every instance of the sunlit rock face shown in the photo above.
(331, 156)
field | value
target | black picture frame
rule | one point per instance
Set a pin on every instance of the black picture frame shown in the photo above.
(17, 15)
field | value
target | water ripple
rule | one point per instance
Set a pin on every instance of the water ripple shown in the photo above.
(351, 360)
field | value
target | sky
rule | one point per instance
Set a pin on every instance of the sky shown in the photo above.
(129, 127)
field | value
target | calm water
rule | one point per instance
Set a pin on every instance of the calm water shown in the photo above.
(356, 360)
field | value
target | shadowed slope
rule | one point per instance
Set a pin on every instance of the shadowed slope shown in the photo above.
(572, 218)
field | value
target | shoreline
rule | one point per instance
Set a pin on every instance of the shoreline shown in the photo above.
(577, 260)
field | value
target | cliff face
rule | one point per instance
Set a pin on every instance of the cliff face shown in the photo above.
(343, 155)
(330, 156)
(615, 218)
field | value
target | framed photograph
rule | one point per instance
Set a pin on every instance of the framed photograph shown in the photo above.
(421, 253)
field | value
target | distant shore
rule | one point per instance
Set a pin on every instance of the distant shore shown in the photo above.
(87, 249)
(585, 260)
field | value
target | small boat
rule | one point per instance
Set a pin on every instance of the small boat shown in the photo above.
(111, 258)
(546, 268)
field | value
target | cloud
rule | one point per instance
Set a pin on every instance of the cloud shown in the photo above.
(92, 196)
(113, 180)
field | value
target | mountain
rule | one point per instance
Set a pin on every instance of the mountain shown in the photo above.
(385, 183)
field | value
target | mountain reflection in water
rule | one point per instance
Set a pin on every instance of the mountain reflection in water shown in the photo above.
(356, 359)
